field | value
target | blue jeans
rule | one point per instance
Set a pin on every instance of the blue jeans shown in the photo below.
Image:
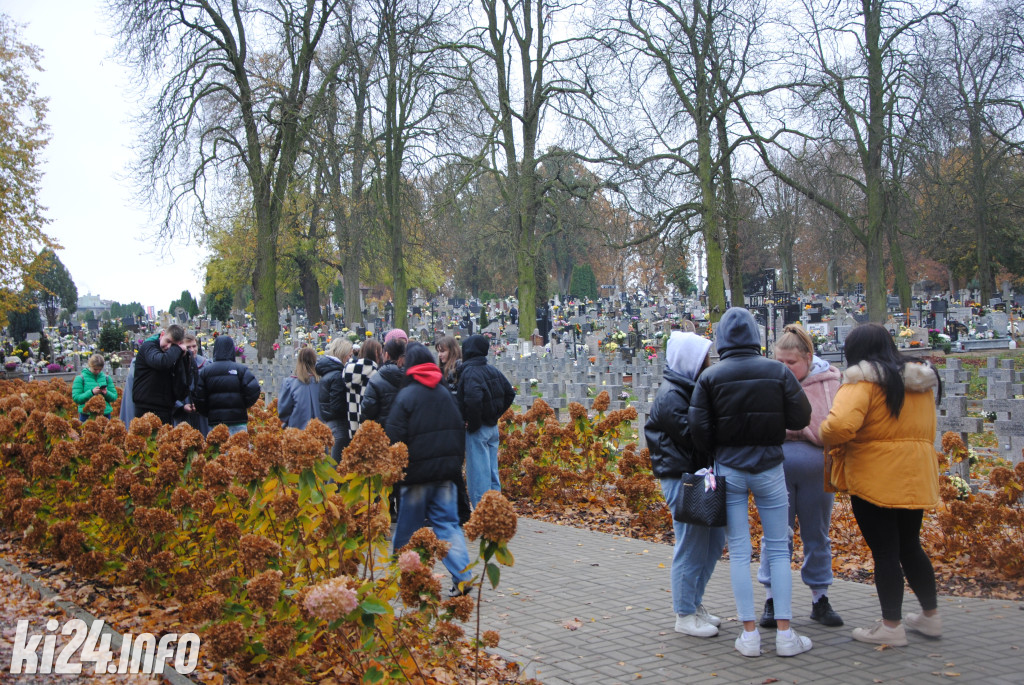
(436, 503)
(697, 550)
(772, 500)
(482, 462)
(805, 477)
(237, 428)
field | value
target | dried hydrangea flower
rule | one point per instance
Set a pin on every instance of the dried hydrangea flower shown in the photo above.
(331, 600)
(493, 519)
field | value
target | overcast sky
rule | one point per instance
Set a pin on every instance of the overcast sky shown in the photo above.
(92, 210)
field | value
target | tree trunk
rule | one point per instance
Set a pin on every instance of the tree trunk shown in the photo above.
(264, 285)
(986, 280)
(730, 215)
(899, 269)
(710, 217)
(310, 290)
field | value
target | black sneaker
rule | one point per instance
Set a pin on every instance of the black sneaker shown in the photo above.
(457, 592)
(768, 617)
(823, 613)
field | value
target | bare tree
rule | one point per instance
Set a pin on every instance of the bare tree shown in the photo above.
(857, 62)
(977, 103)
(230, 104)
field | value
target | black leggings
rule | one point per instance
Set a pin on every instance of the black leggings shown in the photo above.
(894, 536)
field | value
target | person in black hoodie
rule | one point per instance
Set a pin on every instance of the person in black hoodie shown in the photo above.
(484, 395)
(226, 389)
(426, 418)
(384, 385)
(161, 375)
(740, 411)
(673, 453)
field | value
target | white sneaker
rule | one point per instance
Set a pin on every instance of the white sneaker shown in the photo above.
(881, 634)
(929, 626)
(708, 618)
(749, 646)
(693, 624)
(792, 645)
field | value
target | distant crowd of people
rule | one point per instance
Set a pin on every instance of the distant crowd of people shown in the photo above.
(445, 410)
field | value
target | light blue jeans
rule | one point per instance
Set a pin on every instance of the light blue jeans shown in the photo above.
(237, 428)
(482, 462)
(437, 504)
(772, 500)
(697, 550)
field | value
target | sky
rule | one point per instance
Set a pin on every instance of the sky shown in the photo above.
(105, 233)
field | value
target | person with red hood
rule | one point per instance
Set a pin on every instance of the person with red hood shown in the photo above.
(425, 417)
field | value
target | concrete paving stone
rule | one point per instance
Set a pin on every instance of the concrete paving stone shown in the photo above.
(555, 579)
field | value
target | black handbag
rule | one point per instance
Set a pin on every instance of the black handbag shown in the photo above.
(699, 503)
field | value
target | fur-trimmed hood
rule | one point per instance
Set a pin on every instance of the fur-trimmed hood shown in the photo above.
(917, 376)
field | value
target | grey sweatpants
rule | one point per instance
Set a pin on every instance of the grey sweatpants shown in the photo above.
(804, 466)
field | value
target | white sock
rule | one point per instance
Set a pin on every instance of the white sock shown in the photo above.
(788, 632)
(768, 593)
(750, 634)
(818, 594)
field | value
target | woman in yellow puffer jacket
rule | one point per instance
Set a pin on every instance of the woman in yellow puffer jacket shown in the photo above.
(883, 419)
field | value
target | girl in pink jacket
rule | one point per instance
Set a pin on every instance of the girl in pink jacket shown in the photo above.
(804, 465)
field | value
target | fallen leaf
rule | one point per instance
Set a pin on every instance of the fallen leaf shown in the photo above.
(882, 648)
(572, 624)
(769, 680)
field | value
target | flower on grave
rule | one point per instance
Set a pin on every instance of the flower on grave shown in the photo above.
(963, 488)
(533, 382)
(906, 332)
(611, 347)
(275, 347)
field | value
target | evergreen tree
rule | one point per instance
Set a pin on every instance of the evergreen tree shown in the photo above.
(54, 288)
(583, 284)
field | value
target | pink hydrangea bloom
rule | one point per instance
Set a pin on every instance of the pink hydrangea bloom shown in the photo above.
(409, 561)
(331, 599)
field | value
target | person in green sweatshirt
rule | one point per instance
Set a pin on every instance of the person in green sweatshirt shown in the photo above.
(92, 381)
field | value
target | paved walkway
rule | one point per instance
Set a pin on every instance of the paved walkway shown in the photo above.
(619, 591)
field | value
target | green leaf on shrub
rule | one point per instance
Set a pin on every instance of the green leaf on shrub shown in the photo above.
(493, 574)
(504, 556)
(373, 605)
(373, 675)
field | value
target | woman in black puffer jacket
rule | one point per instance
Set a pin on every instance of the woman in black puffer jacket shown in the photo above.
(333, 397)
(226, 389)
(426, 418)
(697, 548)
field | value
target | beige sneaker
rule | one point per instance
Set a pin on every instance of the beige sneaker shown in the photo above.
(881, 634)
(929, 626)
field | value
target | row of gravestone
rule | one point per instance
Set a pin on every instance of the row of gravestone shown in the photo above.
(1003, 392)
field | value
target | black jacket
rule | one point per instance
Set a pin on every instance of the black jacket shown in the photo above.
(743, 405)
(484, 393)
(161, 378)
(428, 422)
(668, 430)
(381, 392)
(333, 402)
(226, 389)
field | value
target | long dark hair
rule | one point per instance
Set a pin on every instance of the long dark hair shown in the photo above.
(872, 343)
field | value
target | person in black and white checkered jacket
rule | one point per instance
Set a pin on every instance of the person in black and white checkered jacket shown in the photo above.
(356, 376)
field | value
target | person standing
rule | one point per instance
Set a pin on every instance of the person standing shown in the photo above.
(740, 410)
(357, 375)
(185, 409)
(333, 407)
(697, 548)
(804, 466)
(380, 392)
(298, 403)
(226, 389)
(92, 381)
(425, 417)
(161, 375)
(449, 358)
(883, 419)
(484, 395)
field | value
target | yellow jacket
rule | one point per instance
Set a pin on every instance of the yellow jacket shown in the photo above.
(887, 461)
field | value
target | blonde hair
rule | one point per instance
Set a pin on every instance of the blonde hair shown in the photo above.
(96, 361)
(340, 348)
(305, 365)
(794, 337)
